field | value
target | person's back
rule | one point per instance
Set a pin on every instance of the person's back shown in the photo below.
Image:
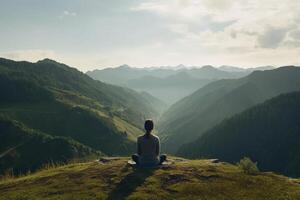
(148, 148)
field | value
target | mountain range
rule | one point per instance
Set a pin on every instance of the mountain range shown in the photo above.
(169, 84)
(189, 118)
(51, 112)
(47, 100)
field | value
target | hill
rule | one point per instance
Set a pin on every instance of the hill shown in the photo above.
(190, 117)
(268, 133)
(19, 156)
(58, 100)
(114, 180)
(59, 77)
(169, 84)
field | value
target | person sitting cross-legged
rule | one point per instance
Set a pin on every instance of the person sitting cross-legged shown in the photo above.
(148, 148)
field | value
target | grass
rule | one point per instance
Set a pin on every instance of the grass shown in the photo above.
(123, 126)
(71, 99)
(114, 179)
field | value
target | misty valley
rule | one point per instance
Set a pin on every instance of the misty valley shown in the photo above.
(48, 104)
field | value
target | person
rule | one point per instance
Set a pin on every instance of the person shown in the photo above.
(148, 148)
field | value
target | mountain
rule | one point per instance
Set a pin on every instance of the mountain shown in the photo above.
(190, 117)
(238, 69)
(169, 84)
(112, 179)
(268, 133)
(23, 149)
(59, 101)
(120, 75)
(169, 89)
(210, 72)
(231, 68)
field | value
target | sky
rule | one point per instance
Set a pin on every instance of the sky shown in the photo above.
(90, 34)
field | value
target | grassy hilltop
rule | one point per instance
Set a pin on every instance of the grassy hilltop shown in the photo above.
(114, 179)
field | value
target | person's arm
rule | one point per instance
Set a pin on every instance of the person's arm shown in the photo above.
(139, 149)
(157, 147)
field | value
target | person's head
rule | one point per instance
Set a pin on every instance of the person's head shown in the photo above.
(149, 125)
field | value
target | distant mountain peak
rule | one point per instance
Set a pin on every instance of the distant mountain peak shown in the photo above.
(47, 60)
(231, 68)
(125, 66)
(208, 67)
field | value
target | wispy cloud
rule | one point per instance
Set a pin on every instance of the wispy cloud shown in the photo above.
(267, 22)
(67, 13)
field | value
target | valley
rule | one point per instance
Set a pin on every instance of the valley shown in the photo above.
(168, 83)
(49, 103)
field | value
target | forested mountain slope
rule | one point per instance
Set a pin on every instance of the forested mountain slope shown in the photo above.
(58, 100)
(23, 149)
(189, 118)
(268, 133)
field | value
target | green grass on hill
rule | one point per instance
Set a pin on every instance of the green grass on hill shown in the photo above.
(113, 180)
(58, 100)
(23, 149)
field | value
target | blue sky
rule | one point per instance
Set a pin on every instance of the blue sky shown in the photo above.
(91, 34)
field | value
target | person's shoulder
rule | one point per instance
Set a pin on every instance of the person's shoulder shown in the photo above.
(140, 137)
(155, 137)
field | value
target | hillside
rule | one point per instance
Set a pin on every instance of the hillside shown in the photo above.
(59, 77)
(190, 117)
(58, 100)
(268, 133)
(17, 152)
(114, 180)
(169, 84)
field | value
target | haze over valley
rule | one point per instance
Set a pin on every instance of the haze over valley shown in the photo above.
(105, 119)
(169, 84)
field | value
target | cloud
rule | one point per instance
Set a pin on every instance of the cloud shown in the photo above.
(228, 30)
(295, 34)
(195, 32)
(219, 5)
(293, 39)
(264, 20)
(67, 13)
(272, 37)
(176, 9)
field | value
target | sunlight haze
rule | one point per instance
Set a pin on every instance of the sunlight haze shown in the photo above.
(90, 34)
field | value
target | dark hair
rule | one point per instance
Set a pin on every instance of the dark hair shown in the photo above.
(149, 125)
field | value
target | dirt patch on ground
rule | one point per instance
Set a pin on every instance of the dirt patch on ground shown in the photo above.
(207, 177)
(173, 179)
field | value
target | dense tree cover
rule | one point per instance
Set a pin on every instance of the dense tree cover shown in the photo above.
(189, 118)
(52, 75)
(60, 101)
(268, 133)
(23, 149)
